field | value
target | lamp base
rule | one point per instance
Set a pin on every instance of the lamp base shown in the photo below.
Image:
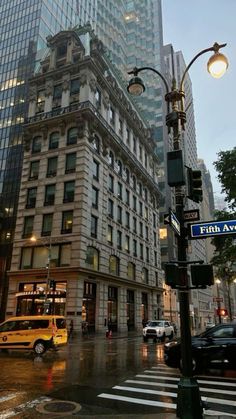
(189, 404)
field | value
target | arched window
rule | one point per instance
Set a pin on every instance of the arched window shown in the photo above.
(114, 265)
(119, 167)
(111, 159)
(54, 140)
(96, 144)
(92, 258)
(127, 175)
(131, 271)
(144, 275)
(36, 144)
(72, 134)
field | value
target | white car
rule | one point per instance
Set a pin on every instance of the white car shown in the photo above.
(158, 330)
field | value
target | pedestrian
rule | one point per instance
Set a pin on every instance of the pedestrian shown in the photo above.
(71, 329)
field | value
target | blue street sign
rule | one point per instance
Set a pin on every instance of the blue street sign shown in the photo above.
(174, 222)
(212, 228)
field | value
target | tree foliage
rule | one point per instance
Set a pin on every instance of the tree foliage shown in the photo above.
(226, 168)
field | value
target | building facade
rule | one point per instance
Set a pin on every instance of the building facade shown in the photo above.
(88, 195)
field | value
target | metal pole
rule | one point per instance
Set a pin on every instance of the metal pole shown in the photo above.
(48, 278)
(218, 302)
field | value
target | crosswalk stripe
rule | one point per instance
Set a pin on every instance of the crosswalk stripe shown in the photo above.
(137, 401)
(215, 413)
(9, 397)
(162, 377)
(144, 390)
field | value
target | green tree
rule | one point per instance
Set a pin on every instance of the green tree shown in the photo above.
(226, 168)
(225, 249)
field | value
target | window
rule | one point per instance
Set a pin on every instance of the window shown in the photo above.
(57, 92)
(141, 229)
(49, 194)
(36, 144)
(127, 197)
(155, 258)
(140, 209)
(40, 101)
(141, 251)
(145, 194)
(134, 203)
(67, 222)
(140, 189)
(127, 244)
(96, 144)
(47, 224)
(147, 254)
(36, 257)
(127, 219)
(147, 233)
(34, 170)
(134, 225)
(61, 50)
(140, 153)
(92, 258)
(69, 191)
(120, 127)
(110, 208)
(127, 175)
(144, 275)
(146, 213)
(52, 167)
(111, 159)
(154, 221)
(31, 197)
(127, 137)
(114, 265)
(110, 234)
(95, 170)
(74, 86)
(112, 116)
(72, 135)
(134, 182)
(98, 98)
(70, 163)
(119, 239)
(134, 145)
(134, 247)
(119, 214)
(54, 140)
(131, 271)
(155, 238)
(119, 167)
(145, 159)
(119, 190)
(28, 226)
(111, 183)
(94, 226)
(94, 197)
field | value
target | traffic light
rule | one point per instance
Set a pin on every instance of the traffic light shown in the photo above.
(52, 283)
(202, 275)
(173, 275)
(194, 185)
(222, 312)
(175, 168)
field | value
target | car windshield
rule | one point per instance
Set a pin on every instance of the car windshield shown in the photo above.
(155, 324)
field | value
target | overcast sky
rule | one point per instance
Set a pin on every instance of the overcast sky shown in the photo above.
(192, 26)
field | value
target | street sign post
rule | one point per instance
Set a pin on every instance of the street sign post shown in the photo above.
(212, 228)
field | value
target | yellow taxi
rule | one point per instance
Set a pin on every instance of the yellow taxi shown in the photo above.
(39, 333)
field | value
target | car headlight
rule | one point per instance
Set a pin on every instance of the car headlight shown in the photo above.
(172, 343)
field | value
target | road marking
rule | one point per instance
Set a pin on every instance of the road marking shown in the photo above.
(9, 397)
(22, 407)
(138, 401)
(161, 377)
(214, 413)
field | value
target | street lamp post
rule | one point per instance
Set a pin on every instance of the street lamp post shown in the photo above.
(189, 405)
(217, 281)
(48, 267)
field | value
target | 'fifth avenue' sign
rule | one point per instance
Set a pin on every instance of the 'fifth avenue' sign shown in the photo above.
(212, 228)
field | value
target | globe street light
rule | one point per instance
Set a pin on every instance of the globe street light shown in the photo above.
(189, 405)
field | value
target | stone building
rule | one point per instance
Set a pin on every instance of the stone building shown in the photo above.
(88, 195)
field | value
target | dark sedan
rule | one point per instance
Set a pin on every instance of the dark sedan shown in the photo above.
(214, 348)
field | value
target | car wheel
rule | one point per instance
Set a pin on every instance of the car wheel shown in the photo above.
(171, 336)
(145, 339)
(163, 337)
(39, 347)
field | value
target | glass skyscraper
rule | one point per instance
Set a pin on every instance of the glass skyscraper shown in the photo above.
(23, 31)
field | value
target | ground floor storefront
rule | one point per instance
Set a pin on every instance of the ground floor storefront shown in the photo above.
(91, 304)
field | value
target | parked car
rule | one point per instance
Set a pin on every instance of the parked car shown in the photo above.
(33, 332)
(158, 330)
(209, 325)
(214, 348)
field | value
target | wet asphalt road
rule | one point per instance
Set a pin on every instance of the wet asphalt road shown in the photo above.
(86, 367)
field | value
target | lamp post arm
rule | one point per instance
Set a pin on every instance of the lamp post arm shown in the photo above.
(214, 48)
(136, 70)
